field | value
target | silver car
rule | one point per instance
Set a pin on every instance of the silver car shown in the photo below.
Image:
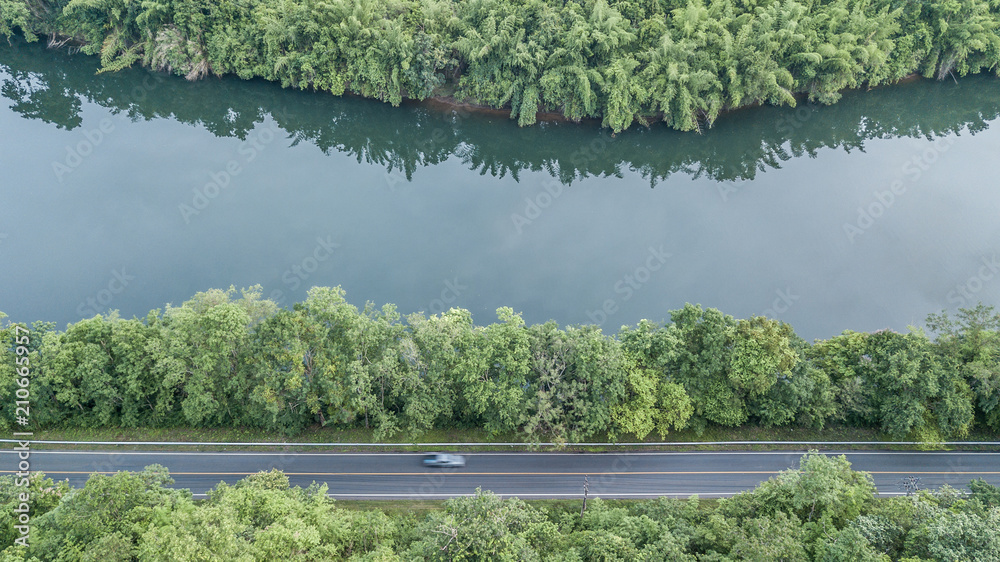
(444, 460)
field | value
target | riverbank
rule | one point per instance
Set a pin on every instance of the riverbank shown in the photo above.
(447, 102)
(683, 65)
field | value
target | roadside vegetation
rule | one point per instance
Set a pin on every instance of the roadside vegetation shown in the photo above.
(752, 438)
(821, 511)
(680, 62)
(223, 360)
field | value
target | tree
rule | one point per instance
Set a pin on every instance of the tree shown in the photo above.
(957, 536)
(656, 400)
(821, 488)
(723, 363)
(848, 544)
(702, 363)
(898, 383)
(972, 340)
(109, 28)
(493, 389)
(449, 348)
(347, 395)
(138, 356)
(635, 415)
(206, 338)
(377, 366)
(962, 36)
(673, 408)
(778, 538)
(77, 374)
(482, 527)
(8, 372)
(263, 518)
(443, 348)
(15, 14)
(293, 379)
(844, 358)
(761, 354)
(108, 510)
(45, 496)
(576, 384)
(807, 397)
(684, 72)
(906, 377)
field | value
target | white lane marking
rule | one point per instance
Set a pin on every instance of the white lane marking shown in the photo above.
(462, 444)
(495, 454)
(574, 495)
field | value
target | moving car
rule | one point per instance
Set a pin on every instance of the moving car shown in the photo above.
(444, 460)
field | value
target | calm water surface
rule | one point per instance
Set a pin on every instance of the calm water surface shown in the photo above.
(128, 191)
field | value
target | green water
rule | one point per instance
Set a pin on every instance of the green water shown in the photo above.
(131, 190)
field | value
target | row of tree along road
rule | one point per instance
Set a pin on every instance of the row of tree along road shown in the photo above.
(228, 360)
(822, 511)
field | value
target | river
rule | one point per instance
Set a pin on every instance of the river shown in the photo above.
(131, 190)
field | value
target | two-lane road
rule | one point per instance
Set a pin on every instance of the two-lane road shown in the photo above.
(527, 475)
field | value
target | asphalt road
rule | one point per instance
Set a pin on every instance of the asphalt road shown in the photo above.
(526, 475)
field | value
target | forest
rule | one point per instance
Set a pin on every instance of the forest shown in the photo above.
(820, 511)
(621, 62)
(228, 359)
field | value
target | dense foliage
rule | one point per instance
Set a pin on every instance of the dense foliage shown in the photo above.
(54, 87)
(618, 61)
(822, 511)
(224, 360)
